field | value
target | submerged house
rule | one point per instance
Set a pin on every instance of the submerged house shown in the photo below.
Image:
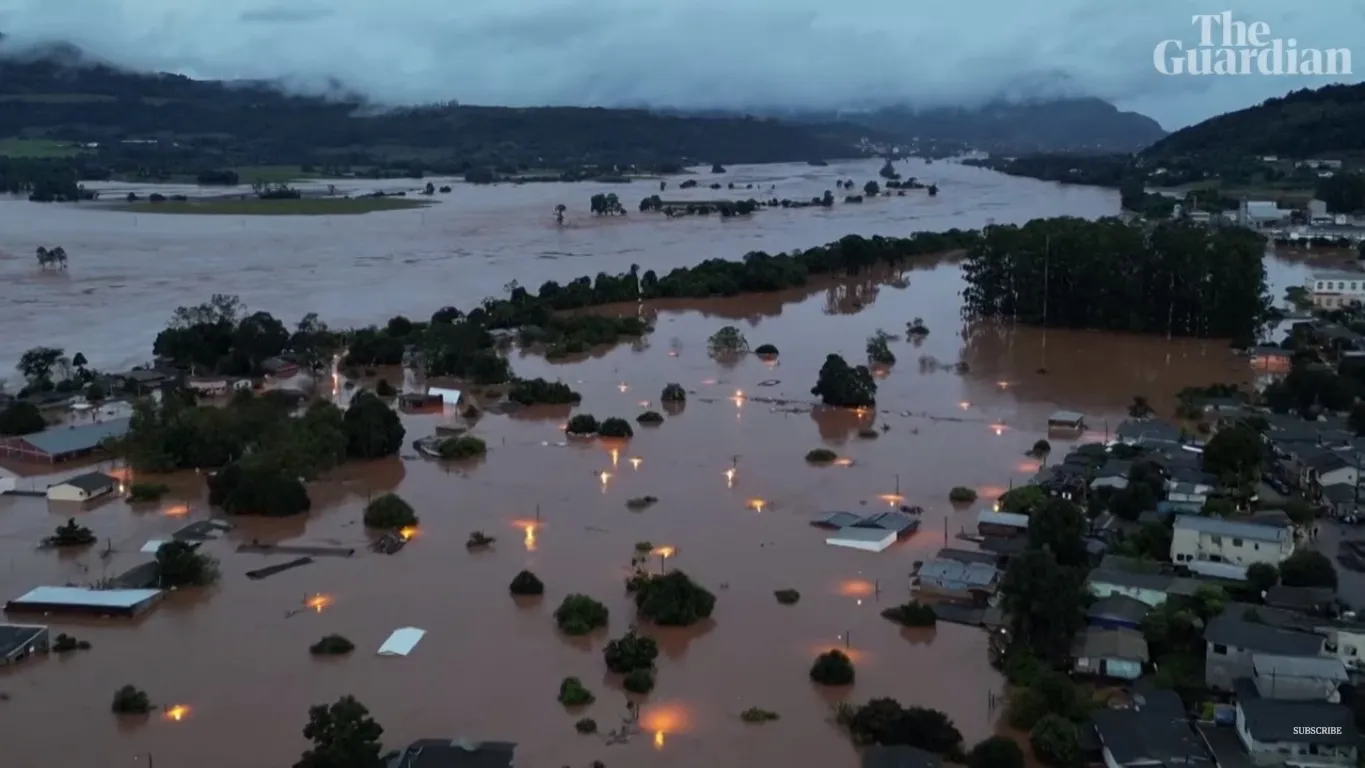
(1004, 524)
(455, 753)
(958, 575)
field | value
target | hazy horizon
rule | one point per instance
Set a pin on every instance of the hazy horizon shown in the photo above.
(707, 54)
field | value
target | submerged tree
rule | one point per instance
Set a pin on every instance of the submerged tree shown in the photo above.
(343, 735)
(842, 385)
(879, 350)
(1169, 278)
(727, 341)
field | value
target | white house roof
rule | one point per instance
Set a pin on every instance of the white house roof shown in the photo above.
(81, 596)
(1219, 527)
(402, 641)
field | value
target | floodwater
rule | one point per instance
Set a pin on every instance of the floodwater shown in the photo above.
(489, 667)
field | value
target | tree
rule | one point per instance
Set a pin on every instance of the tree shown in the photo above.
(71, 534)
(1261, 577)
(21, 418)
(878, 349)
(871, 189)
(36, 364)
(179, 564)
(844, 386)
(886, 722)
(615, 427)
(1045, 601)
(389, 512)
(727, 341)
(1308, 568)
(572, 693)
(1235, 455)
(673, 393)
(606, 205)
(1023, 500)
(258, 487)
(580, 614)
(832, 667)
(1056, 742)
(630, 652)
(343, 735)
(581, 424)
(673, 600)
(373, 429)
(996, 752)
(130, 700)
(1059, 526)
(527, 584)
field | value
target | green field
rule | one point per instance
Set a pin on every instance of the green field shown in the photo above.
(307, 206)
(36, 148)
(270, 174)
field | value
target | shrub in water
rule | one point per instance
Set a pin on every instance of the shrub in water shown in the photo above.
(580, 614)
(832, 668)
(639, 681)
(573, 694)
(526, 583)
(615, 427)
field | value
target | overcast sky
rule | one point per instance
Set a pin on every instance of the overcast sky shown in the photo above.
(695, 53)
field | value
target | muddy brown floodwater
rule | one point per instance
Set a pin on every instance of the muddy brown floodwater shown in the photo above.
(488, 668)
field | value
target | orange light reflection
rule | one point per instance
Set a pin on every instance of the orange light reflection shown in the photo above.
(892, 499)
(530, 540)
(856, 588)
(757, 505)
(176, 510)
(663, 720)
(730, 478)
(990, 491)
(177, 713)
(408, 532)
(843, 462)
(998, 429)
(635, 462)
(837, 644)
(615, 456)
(664, 552)
(964, 405)
(318, 602)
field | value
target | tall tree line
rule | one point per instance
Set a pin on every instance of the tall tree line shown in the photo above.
(1170, 278)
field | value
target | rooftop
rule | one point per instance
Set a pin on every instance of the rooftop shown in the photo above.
(1226, 629)
(1066, 417)
(1121, 607)
(16, 636)
(889, 521)
(447, 753)
(955, 574)
(60, 441)
(1275, 720)
(84, 597)
(1111, 644)
(1155, 730)
(989, 516)
(1319, 667)
(1241, 530)
(90, 482)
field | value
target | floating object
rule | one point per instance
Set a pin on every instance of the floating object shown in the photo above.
(152, 546)
(402, 641)
(271, 570)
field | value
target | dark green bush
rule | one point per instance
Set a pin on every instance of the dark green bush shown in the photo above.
(462, 447)
(586, 725)
(673, 599)
(821, 456)
(526, 583)
(580, 614)
(573, 694)
(390, 513)
(832, 668)
(650, 417)
(581, 424)
(962, 495)
(142, 492)
(639, 681)
(542, 392)
(787, 596)
(767, 350)
(129, 700)
(331, 645)
(912, 614)
(630, 652)
(615, 427)
(673, 393)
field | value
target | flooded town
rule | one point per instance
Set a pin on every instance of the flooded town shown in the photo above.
(821, 522)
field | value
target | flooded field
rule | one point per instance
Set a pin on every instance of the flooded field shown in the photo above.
(489, 667)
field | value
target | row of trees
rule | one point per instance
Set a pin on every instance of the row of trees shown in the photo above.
(1109, 275)
(259, 451)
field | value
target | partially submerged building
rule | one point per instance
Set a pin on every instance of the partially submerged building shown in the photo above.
(19, 641)
(85, 487)
(83, 600)
(455, 753)
(63, 443)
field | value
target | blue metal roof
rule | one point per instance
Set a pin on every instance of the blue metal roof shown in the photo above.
(59, 441)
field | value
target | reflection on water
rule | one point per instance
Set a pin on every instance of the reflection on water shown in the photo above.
(709, 471)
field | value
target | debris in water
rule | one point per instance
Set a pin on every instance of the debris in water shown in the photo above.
(641, 502)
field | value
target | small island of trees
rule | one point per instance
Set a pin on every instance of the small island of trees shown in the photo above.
(389, 512)
(845, 386)
(580, 614)
(672, 599)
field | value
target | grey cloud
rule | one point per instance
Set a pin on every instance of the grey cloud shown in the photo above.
(697, 54)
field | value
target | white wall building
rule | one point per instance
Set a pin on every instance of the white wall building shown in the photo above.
(82, 487)
(1197, 539)
(1330, 290)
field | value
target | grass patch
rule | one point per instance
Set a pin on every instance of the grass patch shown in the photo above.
(36, 148)
(307, 206)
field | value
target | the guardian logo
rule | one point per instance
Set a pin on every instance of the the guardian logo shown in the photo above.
(1228, 46)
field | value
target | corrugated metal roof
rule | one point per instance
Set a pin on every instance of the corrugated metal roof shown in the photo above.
(402, 641)
(991, 517)
(90, 482)
(82, 596)
(1220, 527)
(1272, 665)
(957, 574)
(64, 440)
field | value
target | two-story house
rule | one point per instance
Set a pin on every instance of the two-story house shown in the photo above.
(1232, 642)
(1198, 539)
(1276, 732)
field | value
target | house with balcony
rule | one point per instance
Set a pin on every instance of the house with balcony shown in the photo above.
(1196, 540)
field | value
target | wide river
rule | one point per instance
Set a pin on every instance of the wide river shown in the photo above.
(489, 668)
